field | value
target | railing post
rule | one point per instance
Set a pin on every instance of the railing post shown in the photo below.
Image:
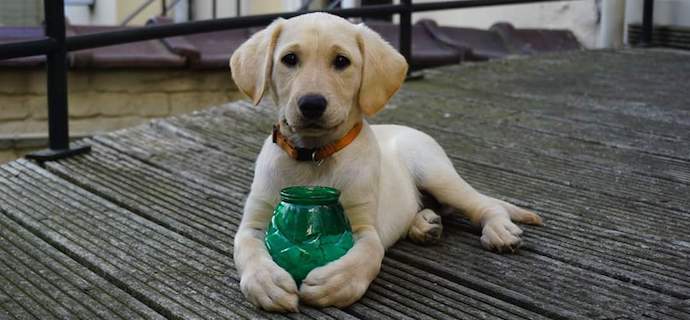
(406, 30)
(647, 23)
(56, 64)
(56, 80)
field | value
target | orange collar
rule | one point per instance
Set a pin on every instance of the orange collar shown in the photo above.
(315, 154)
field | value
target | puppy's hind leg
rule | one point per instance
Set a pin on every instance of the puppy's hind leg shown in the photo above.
(426, 227)
(435, 174)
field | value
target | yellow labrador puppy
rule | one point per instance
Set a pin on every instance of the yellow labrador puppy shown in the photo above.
(326, 75)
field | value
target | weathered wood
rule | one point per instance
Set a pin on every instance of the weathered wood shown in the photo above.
(661, 270)
(529, 96)
(625, 268)
(621, 235)
(623, 169)
(171, 274)
(649, 83)
(162, 152)
(58, 284)
(596, 141)
(496, 121)
(112, 169)
(154, 194)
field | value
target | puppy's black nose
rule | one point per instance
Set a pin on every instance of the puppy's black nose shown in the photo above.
(312, 106)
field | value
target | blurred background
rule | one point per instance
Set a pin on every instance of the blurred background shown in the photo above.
(582, 17)
(121, 86)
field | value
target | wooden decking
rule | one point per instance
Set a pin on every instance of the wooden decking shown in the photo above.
(598, 142)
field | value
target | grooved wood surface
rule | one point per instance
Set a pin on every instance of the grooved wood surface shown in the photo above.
(596, 141)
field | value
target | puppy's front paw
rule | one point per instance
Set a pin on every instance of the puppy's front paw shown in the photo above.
(267, 285)
(335, 284)
(501, 235)
(426, 227)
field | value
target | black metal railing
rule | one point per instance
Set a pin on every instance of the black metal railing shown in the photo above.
(55, 46)
(647, 22)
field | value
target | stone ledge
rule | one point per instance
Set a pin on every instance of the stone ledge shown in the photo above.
(30, 140)
(20, 81)
(103, 100)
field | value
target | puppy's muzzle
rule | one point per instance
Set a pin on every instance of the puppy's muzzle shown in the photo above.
(312, 106)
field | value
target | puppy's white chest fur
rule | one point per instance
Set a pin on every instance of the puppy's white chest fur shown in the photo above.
(398, 194)
(369, 173)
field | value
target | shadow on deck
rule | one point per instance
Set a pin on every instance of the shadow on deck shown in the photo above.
(598, 142)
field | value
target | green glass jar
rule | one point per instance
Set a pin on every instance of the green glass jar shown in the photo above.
(308, 229)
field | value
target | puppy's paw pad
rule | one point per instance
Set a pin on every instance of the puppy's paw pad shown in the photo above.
(270, 287)
(426, 227)
(332, 286)
(501, 235)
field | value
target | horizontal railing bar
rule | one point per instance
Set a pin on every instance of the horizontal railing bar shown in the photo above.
(162, 31)
(27, 48)
(178, 29)
(102, 39)
(444, 5)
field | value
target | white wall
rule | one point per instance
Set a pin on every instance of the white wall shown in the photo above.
(181, 11)
(104, 12)
(582, 17)
(228, 8)
(203, 9)
(579, 16)
(78, 14)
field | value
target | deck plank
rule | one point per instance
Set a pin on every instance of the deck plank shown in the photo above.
(40, 281)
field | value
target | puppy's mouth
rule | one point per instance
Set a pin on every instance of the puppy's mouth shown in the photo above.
(315, 126)
(311, 128)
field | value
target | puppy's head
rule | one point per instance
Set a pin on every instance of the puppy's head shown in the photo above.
(322, 71)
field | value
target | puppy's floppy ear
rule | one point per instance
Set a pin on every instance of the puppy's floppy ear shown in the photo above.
(383, 71)
(252, 62)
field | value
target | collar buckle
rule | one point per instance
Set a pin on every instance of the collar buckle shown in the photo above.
(317, 163)
(304, 154)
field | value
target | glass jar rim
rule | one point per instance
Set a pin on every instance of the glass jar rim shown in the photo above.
(309, 194)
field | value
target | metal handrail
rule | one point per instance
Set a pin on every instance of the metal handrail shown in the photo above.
(56, 45)
(102, 39)
(27, 48)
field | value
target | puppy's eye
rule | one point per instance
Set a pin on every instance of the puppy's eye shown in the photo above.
(290, 60)
(341, 62)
